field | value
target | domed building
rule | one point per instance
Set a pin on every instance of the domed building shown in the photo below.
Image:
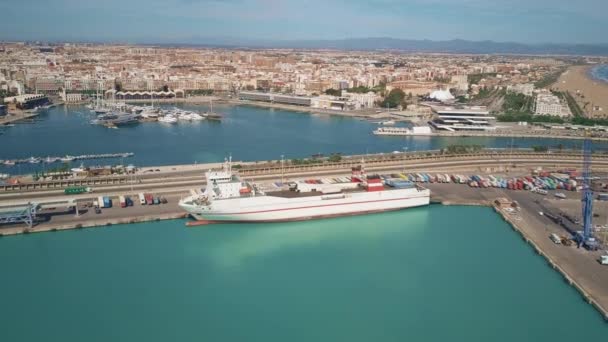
(442, 96)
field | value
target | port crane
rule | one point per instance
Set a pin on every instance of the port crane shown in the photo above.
(586, 238)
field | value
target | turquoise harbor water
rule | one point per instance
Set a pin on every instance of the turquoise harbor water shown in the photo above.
(424, 274)
(247, 133)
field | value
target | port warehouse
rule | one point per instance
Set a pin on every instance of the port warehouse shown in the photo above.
(276, 98)
(27, 101)
(325, 102)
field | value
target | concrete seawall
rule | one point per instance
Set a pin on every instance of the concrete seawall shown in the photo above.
(92, 223)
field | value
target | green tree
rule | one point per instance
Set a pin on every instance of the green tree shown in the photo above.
(359, 89)
(394, 98)
(540, 148)
(335, 158)
(333, 92)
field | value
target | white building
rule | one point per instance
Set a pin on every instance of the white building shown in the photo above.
(463, 118)
(460, 82)
(359, 101)
(524, 88)
(71, 97)
(549, 104)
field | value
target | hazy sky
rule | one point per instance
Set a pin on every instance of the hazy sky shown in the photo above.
(183, 21)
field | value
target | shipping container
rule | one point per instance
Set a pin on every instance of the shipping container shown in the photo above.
(602, 197)
(100, 201)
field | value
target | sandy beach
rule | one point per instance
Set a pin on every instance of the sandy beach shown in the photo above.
(591, 94)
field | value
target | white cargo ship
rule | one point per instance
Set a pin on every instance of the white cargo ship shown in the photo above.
(228, 198)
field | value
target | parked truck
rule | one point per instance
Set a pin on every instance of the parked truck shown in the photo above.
(75, 190)
(107, 202)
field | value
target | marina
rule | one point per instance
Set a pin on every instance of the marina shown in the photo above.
(113, 114)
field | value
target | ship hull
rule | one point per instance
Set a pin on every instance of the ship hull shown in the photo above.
(279, 209)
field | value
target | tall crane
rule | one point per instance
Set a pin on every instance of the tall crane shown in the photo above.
(587, 197)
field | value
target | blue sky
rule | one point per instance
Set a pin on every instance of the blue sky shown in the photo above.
(183, 21)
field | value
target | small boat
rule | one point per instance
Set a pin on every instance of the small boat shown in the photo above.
(33, 160)
(168, 119)
(9, 162)
(560, 195)
(101, 110)
(196, 117)
(67, 159)
(387, 123)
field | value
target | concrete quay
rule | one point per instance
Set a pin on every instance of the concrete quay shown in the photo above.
(87, 217)
(10, 118)
(511, 134)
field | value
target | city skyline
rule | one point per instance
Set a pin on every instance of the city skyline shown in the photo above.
(242, 21)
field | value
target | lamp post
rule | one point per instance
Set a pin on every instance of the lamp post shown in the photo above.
(282, 168)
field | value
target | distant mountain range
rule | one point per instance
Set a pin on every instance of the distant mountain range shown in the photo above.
(409, 45)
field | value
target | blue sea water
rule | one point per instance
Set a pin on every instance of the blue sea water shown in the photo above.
(600, 72)
(423, 274)
(248, 133)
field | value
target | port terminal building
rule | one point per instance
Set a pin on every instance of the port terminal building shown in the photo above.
(27, 101)
(348, 101)
(144, 95)
(276, 98)
(462, 118)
